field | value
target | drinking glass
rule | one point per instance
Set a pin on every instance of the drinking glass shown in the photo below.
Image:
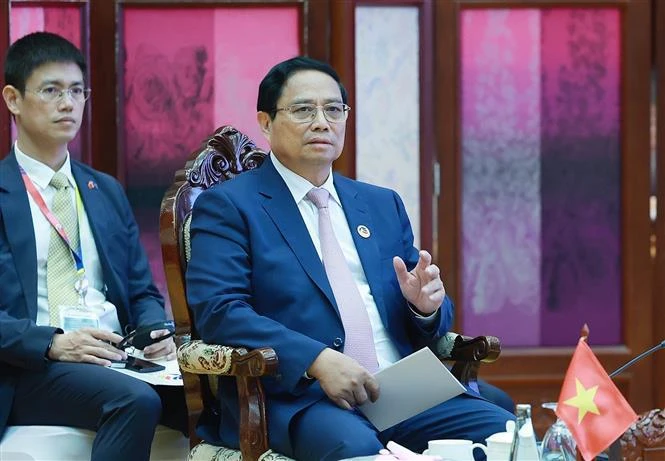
(558, 443)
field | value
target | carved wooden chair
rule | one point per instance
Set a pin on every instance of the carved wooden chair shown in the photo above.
(221, 157)
(645, 438)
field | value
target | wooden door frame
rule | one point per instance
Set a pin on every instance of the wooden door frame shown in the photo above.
(523, 368)
(342, 58)
(5, 135)
(659, 272)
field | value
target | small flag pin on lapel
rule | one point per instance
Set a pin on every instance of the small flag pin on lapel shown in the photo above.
(92, 185)
(363, 231)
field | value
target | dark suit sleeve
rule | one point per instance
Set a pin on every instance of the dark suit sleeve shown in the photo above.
(220, 288)
(420, 332)
(145, 303)
(22, 343)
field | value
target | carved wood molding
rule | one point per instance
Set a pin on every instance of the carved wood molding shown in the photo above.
(645, 434)
(226, 154)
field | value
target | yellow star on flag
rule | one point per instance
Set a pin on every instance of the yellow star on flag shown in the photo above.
(583, 401)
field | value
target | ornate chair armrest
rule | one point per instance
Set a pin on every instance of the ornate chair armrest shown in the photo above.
(247, 367)
(456, 347)
(644, 438)
(201, 358)
(467, 353)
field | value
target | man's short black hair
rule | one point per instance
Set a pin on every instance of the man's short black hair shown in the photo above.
(272, 84)
(34, 50)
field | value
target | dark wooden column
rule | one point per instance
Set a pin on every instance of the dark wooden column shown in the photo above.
(428, 149)
(659, 235)
(5, 135)
(342, 58)
(446, 70)
(104, 66)
(317, 29)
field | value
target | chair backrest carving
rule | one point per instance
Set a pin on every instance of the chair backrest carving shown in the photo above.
(221, 157)
(225, 154)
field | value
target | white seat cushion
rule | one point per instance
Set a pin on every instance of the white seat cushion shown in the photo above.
(61, 443)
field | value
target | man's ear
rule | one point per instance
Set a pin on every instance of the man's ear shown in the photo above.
(265, 123)
(12, 98)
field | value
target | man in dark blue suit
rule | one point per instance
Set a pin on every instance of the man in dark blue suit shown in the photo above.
(51, 372)
(261, 275)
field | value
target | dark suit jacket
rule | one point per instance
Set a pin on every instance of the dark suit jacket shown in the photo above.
(125, 267)
(256, 280)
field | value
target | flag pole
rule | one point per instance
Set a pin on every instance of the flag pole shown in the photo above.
(584, 334)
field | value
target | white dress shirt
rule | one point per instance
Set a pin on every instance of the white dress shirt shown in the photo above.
(41, 174)
(386, 351)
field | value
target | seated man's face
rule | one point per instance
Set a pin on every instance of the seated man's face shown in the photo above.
(54, 122)
(309, 146)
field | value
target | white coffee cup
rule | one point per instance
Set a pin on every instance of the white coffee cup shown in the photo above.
(498, 446)
(453, 449)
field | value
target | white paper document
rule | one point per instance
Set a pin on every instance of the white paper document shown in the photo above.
(408, 387)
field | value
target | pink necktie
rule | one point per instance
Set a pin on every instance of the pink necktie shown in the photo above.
(359, 342)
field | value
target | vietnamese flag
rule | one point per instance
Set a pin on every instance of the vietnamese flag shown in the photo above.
(590, 404)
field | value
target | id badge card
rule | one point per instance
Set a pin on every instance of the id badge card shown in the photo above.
(74, 318)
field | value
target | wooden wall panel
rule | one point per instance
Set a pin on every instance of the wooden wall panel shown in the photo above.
(533, 375)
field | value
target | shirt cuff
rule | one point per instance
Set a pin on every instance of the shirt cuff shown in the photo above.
(422, 319)
(57, 331)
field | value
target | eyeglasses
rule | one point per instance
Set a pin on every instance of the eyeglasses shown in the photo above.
(52, 93)
(334, 112)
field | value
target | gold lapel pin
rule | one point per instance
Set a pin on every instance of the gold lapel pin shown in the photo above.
(363, 231)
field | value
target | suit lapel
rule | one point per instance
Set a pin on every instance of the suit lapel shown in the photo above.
(96, 209)
(358, 214)
(19, 229)
(103, 223)
(284, 213)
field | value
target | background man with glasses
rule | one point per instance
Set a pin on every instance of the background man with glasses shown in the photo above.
(72, 270)
(323, 269)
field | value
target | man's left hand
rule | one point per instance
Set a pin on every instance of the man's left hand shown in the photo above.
(164, 348)
(422, 287)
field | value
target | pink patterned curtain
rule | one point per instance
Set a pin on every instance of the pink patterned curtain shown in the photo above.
(541, 174)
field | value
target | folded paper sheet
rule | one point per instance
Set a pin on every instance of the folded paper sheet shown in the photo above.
(408, 387)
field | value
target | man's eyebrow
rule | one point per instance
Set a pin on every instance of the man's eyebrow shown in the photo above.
(311, 101)
(60, 83)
